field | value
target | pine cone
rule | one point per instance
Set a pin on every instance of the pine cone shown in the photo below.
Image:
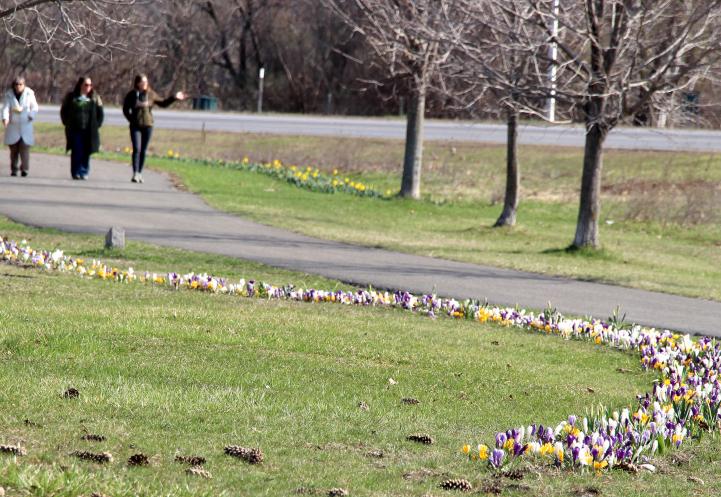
(249, 455)
(93, 437)
(192, 460)
(71, 393)
(139, 459)
(337, 492)
(457, 484)
(421, 438)
(410, 401)
(98, 457)
(15, 450)
(198, 471)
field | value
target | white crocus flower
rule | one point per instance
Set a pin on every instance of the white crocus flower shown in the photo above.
(56, 256)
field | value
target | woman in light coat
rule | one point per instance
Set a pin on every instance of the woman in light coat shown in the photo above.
(18, 113)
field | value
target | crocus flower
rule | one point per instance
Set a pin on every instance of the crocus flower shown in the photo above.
(497, 457)
(684, 401)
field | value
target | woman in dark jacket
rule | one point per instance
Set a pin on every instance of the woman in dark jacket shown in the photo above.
(138, 110)
(82, 115)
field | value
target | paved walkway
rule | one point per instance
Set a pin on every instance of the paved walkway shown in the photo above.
(158, 213)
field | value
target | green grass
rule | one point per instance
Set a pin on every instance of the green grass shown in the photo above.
(165, 372)
(632, 252)
(451, 170)
(143, 256)
(660, 227)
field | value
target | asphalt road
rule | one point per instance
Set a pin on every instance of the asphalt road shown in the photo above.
(565, 136)
(158, 213)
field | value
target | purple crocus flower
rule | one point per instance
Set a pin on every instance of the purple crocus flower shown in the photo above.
(497, 457)
(518, 449)
(548, 435)
(575, 452)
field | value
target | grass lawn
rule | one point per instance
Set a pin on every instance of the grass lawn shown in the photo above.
(660, 225)
(166, 373)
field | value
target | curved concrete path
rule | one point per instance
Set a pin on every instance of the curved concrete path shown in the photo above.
(156, 212)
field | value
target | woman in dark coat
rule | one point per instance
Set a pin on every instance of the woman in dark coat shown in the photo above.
(82, 115)
(138, 110)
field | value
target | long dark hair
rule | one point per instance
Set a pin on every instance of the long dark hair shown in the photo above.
(79, 85)
(138, 78)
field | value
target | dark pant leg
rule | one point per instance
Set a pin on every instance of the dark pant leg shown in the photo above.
(85, 159)
(135, 139)
(145, 135)
(80, 155)
(24, 156)
(14, 155)
(75, 145)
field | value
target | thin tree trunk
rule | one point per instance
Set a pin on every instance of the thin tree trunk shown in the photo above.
(513, 174)
(590, 206)
(411, 181)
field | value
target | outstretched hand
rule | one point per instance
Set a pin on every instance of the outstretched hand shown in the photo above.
(180, 96)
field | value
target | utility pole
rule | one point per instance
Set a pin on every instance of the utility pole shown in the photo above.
(261, 77)
(552, 54)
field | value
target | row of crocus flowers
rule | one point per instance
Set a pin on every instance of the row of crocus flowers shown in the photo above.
(683, 402)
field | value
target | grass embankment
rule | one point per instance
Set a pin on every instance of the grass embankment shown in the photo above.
(659, 228)
(165, 373)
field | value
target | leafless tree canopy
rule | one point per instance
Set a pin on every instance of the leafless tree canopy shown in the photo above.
(412, 42)
(315, 61)
(601, 61)
(620, 58)
(312, 61)
(62, 25)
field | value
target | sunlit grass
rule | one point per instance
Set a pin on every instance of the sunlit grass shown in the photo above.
(167, 372)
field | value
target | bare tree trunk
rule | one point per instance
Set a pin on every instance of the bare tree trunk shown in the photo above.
(513, 174)
(590, 208)
(412, 161)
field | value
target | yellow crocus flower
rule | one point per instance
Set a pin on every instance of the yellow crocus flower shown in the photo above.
(483, 452)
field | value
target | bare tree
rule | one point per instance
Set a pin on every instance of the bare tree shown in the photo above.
(414, 40)
(59, 25)
(618, 57)
(314, 49)
(236, 39)
(503, 56)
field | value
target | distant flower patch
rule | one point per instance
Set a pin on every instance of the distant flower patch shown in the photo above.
(306, 177)
(684, 402)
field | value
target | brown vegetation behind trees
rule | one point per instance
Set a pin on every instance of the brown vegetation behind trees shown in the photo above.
(313, 62)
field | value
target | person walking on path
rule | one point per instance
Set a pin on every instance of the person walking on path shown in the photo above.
(138, 110)
(18, 112)
(82, 115)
